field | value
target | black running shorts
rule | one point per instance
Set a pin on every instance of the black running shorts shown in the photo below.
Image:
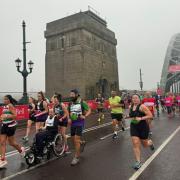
(8, 131)
(118, 117)
(76, 130)
(140, 130)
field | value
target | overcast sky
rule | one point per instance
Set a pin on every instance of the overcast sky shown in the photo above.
(143, 30)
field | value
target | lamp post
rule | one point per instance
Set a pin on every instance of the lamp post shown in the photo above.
(24, 72)
(140, 82)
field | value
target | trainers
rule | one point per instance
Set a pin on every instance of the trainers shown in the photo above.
(137, 165)
(83, 144)
(25, 138)
(152, 147)
(150, 134)
(74, 161)
(66, 149)
(3, 163)
(114, 136)
(23, 152)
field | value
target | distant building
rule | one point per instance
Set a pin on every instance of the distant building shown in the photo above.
(81, 53)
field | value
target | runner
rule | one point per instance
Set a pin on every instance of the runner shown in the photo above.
(32, 118)
(129, 99)
(8, 129)
(168, 103)
(52, 98)
(139, 128)
(78, 110)
(62, 114)
(178, 102)
(174, 104)
(41, 111)
(116, 113)
(157, 102)
(162, 101)
(149, 102)
(100, 100)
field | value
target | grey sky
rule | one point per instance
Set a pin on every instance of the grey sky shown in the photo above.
(143, 29)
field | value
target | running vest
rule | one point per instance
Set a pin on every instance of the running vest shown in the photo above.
(6, 110)
(136, 113)
(149, 103)
(40, 106)
(100, 102)
(76, 109)
(30, 108)
(168, 101)
(52, 124)
(58, 110)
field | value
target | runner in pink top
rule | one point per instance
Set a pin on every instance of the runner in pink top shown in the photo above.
(168, 104)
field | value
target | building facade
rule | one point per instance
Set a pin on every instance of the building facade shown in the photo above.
(81, 54)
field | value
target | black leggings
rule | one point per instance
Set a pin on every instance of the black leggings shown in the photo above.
(169, 109)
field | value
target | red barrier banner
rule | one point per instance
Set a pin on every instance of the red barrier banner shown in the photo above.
(21, 112)
(91, 103)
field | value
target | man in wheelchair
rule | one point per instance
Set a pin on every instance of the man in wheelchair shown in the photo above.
(47, 133)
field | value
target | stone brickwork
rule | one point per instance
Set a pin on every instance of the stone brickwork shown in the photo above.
(80, 53)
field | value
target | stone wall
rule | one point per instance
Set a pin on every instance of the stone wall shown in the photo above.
(80, 53)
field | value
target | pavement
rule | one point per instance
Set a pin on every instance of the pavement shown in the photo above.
(107, 159)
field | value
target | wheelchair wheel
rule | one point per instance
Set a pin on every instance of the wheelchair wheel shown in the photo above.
(58, 145)
(30, 158)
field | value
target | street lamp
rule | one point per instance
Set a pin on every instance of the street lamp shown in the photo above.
(24, 72)
(18, 63)
(30, 65)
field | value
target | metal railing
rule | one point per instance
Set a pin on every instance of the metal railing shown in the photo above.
(16, 95)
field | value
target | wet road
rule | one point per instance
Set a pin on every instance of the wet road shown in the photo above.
(107, 159)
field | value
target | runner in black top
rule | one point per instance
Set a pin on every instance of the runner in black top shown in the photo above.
(41, 111)
(139, 128)
(100, 100)
(62, 114)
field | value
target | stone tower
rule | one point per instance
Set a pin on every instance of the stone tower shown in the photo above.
(81, 53)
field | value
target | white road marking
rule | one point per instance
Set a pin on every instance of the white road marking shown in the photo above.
(12, 153)
(109, 135)
(26, 170)
(154, 155)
